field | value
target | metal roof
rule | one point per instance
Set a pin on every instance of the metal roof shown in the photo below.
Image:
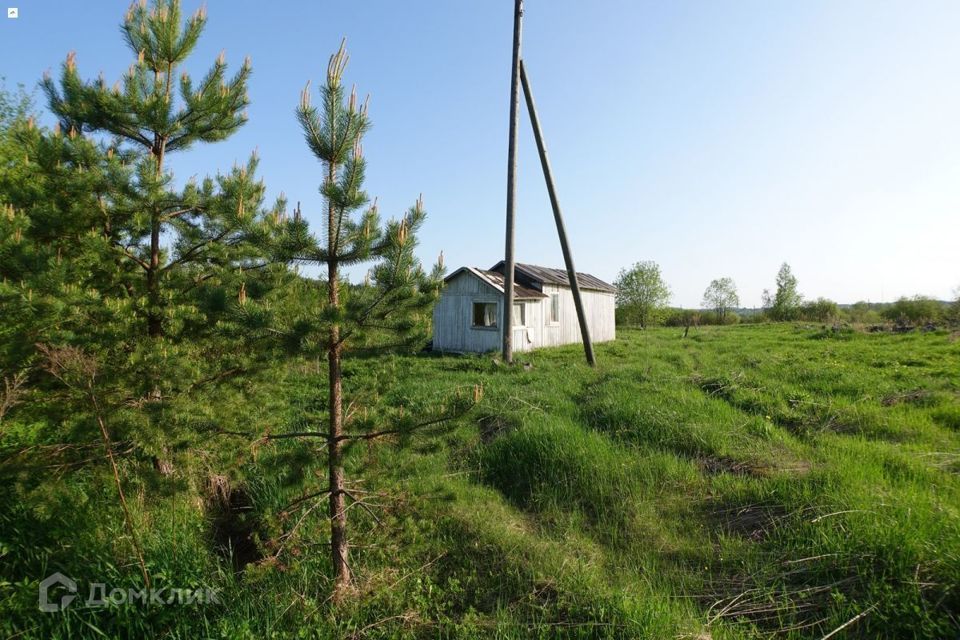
(495, 280)
(549, 275)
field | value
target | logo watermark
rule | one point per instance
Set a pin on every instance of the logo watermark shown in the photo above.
(100, 595)
(54, 580)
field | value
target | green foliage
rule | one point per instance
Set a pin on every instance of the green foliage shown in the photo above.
(819, 310)
(779, 479)
(87, 204)
(84, 273)
(642, 294)
(212, 226)
(712, 317)
(721, 296)
(398, 292)
(674, 317)
(793, 481)
(387, 312)
(15, 110)
(142, 108)
(953, 312)
(785, 303)
(915, 311)
(863, 313)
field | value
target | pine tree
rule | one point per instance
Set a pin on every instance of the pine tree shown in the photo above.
(86, 205)
(148, 121)
(53, 250)
(386, 311)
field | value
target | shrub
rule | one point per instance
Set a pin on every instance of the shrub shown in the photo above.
(915, 310)
(819, 310)
(674, 317)
(689, 317)
(862, 313)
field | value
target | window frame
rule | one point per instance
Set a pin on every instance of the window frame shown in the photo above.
(554, 311)
(523, 315)
(496, 315)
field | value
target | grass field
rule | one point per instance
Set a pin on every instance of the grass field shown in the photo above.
(748, 481)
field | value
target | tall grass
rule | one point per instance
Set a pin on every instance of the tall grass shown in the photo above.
(748, 481)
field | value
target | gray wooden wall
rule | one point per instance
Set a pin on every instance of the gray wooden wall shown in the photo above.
(453, 317)
(599, 307)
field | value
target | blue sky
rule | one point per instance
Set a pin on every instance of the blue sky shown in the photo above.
(716, 138)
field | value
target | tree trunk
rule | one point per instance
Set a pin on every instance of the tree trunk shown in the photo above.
(154, 318)
(338, 518)
(339, 546)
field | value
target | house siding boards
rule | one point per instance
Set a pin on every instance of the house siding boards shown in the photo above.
(599, 307)
(453, 328)
(453, 314)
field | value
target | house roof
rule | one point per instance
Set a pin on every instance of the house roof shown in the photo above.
(549, 275)
(495, 280)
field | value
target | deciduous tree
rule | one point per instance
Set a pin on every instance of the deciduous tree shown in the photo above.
(641, 292)
(785, 303)
(721, 296)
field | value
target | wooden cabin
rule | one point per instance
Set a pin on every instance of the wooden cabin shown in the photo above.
(468, 316)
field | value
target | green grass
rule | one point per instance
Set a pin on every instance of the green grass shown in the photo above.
(749, 481)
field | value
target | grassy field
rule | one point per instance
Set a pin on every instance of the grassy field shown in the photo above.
(749, 481)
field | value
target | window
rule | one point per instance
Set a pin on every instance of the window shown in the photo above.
(555, 308)
(485, 314)
(519, 314)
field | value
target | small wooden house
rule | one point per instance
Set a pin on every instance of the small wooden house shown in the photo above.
(467, 317)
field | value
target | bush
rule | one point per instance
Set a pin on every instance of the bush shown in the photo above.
(953, 312)
(758, 317)
(915, 310)
(819, 310)
(689, 317)
(863, 313)
(674, 317)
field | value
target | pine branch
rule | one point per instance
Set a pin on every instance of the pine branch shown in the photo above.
(373, 435)
(304, 498)
(181, 212)
(184, 257)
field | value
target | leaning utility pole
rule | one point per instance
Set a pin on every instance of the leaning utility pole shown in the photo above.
(518, 75)
(558, 218)
(509, 258)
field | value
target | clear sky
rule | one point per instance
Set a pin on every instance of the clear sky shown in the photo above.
(716, 138)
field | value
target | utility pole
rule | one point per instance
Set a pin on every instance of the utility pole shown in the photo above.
(518, 76)
(557, 216)
(509, 258)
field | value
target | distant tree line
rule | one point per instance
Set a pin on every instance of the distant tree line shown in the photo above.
(643, 298)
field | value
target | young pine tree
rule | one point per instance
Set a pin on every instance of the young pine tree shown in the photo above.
(389, 308)
(55, 257)
(103, 252)
(152, 113)
(184, 252)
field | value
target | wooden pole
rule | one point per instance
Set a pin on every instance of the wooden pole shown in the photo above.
(557, 216)
(509, 259)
